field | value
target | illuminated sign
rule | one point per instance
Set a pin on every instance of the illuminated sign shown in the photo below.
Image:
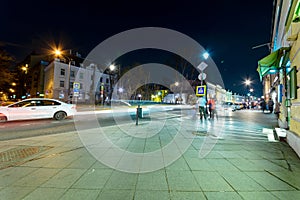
(201, 90)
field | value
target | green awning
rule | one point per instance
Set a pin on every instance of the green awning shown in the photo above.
(271, 62)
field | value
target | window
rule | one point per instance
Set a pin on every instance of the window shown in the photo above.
(62, 84)
(101, 79)
(72, 74)
(81, 75)
(50, 103)
(62, 72)
(71, 84)
(107, 80)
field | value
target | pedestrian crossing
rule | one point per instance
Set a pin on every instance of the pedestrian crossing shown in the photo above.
(226, 128)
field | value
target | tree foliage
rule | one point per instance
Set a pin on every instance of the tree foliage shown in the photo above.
(6, 77)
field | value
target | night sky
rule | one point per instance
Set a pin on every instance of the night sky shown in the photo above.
(226, 29)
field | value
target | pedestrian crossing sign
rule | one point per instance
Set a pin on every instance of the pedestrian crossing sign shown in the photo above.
(201, 90)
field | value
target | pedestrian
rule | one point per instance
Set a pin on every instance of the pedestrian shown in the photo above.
(263, 105)
(202, 107)
(270, 105)
(212, 108)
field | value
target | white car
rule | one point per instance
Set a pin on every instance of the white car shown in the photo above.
(36, 108)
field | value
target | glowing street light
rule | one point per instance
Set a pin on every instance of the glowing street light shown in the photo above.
(205, 55)
(247, 82)
(112, 67)
(57, 52)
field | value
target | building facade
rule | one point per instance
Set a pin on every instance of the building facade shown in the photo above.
(279, 71)
(68, 82)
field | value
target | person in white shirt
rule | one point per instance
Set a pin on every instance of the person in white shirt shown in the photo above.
(202, 107)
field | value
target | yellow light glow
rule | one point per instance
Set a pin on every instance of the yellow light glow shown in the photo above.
(57, 52)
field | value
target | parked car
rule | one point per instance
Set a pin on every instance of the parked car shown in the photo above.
(36, 108)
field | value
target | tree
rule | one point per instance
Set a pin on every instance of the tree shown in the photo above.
(6, 77)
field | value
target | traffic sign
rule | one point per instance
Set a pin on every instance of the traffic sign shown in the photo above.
(202, 66)
(201, 90)
(202, 76)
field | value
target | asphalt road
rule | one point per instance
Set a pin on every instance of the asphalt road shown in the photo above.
(30, 128)
(238, 121)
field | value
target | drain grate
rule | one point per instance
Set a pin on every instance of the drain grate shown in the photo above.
(19, 155)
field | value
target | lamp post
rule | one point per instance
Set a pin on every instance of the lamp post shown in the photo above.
(247, 83)
(112, 68)
(59, 53)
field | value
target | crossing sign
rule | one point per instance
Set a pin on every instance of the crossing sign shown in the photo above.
(201, 90)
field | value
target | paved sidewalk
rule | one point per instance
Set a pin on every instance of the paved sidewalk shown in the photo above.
(241, 162)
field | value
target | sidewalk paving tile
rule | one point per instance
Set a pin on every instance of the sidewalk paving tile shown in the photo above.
(152, 181)
(64, 179)
(241, 182)
(179, 180)
(122, 181)
(36, 178)
(113, 194)
(222, 195)
(45, 194)
(267, 165)
(287, 195)
(93, 179)
(221, 165)
(13, 193)
(233, 169)
(150, 195)
(244, 164)
(179, 164)
(211, 181)
(258, 195)
(83, 162)
(12, 175)
(289, 177)
(79, 194)
(178, 195)
(229, 154)
(199, 164)
(60, 161)
(268, 181)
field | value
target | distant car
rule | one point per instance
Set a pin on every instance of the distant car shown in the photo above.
(36, 108)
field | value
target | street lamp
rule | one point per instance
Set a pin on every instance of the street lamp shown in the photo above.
(58, 53)
(112, 68)
(247, 82)
(205, 55)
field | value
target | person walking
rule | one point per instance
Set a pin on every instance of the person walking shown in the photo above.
(263, 105)
(202, 107)
(277, 109)
(270, 105)
(212, 108)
